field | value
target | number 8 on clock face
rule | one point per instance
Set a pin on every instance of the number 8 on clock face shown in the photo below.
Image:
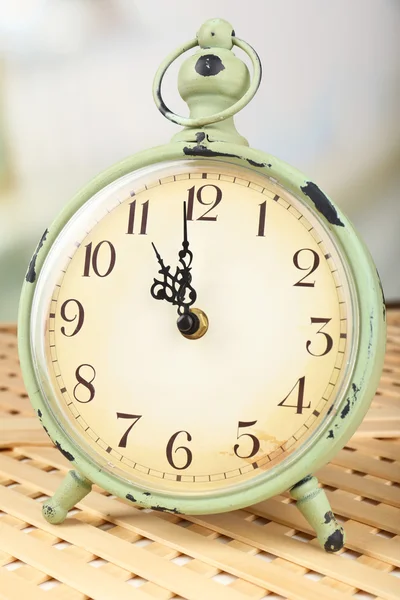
(194, 416)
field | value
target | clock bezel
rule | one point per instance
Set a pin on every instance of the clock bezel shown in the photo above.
(367, 364)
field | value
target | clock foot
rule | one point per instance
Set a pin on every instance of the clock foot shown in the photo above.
(71, 491)
(314, 506)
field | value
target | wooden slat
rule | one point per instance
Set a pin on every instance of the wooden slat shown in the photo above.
(22, 430)
(373, 447)
(383, 414)
(309, 556)
(389, 428)
(365, 463)
(360, 486)
(13, 587)
(166, 574)
(73, 572)
(287, 514)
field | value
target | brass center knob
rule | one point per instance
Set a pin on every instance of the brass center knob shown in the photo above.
(194, 324)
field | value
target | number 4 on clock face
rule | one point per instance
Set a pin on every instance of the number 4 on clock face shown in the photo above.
(300, 383)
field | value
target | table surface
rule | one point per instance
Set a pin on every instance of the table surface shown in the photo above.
(107, 549)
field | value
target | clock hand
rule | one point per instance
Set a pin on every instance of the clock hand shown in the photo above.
(185, 252)
(171, 287)
(177, 289)
(188, 322)
(183, 275)
(165, 289)
(160, 260)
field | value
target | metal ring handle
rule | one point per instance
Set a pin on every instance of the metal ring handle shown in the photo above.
(220, 116)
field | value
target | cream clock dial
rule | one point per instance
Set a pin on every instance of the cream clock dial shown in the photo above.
(194, 415)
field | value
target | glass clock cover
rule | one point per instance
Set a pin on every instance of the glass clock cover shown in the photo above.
(194, 415)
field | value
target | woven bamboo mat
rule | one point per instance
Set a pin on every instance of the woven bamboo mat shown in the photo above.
(109, 550)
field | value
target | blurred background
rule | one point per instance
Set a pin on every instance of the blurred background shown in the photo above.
(75, 97)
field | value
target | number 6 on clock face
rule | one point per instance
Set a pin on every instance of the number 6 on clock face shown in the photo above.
(194, 416)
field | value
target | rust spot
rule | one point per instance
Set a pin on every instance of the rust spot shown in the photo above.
(30, 276)
(383, 297)
(345, 410)
(48, 509)
(65, 453)
(209, 65)
(205, 151)
(304, 480)
(164, 509)
(335, 541)
(329, 516)
(321, 203)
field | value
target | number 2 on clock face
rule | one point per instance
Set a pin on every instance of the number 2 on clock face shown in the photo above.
(198, 413)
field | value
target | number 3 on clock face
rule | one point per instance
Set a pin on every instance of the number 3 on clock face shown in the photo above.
(181, 415)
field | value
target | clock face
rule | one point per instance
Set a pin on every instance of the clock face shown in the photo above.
(193, 416)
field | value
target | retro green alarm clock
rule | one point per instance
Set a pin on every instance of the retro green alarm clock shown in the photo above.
(201, 327)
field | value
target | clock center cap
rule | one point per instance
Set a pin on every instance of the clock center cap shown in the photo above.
(194, 324)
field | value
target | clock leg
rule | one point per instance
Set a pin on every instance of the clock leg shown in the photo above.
(71, 491)
(314, 506)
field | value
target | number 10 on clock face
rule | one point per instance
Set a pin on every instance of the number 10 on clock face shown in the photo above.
(194, 415)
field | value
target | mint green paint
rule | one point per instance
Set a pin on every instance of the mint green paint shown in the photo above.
(72, 490)
(220, 96)
(314, 506)
(214, 140)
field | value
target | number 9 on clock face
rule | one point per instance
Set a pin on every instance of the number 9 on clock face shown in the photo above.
(194, 416)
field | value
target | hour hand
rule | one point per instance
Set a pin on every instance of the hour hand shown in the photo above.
(163, 289)
(160, 260)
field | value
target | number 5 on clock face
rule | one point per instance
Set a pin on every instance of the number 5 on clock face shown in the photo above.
(196, 415)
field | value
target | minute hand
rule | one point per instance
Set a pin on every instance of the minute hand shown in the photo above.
(183, 274)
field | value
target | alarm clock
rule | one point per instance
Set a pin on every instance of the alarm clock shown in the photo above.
(201, 327)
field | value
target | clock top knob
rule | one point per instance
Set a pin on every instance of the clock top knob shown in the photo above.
(216, 33)
(214, 83)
